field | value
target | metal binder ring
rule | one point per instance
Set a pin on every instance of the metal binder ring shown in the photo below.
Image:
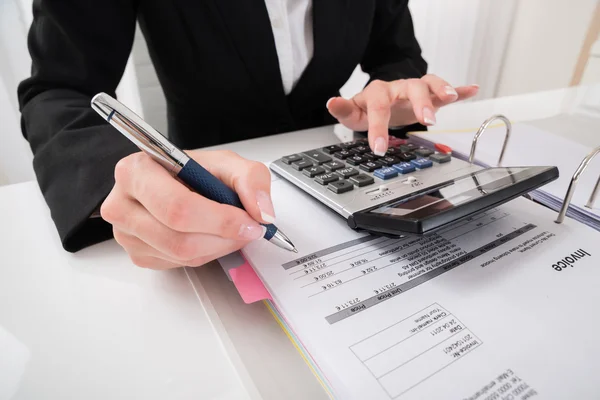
(482, 129)
(574, 180)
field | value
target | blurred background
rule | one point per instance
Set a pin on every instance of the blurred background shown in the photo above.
(508, 47)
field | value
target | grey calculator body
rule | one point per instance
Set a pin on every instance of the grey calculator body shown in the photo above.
(411, 191)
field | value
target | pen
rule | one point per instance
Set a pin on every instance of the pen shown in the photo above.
(157, 146)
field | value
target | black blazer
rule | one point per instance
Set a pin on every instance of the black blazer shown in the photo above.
(217, 64)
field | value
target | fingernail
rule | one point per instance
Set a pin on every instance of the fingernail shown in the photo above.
(252, 232)
(328, 102)
(475, 85)
(450, 91)
(428, 116)
(380, 147)
(265, 205)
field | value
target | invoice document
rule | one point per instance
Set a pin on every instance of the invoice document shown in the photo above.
(502, 305)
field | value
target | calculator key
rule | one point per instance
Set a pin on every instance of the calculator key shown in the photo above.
(440, 158)
(372, 156)
(406, 156)
(362, 180)
(392, 151)
(317, 157)
(389, 160)
(423, 152)
(290, 159)
(340, 187)
(300, 165)
(334, 166)
(327, 178)
(349, 145)
(356, 160)
(422, 163)
(371, 166)
(332, 149)
(347, 172)
(361, 149)
(386, 173)
(313, 171)
(404, 167)
(342, 155)
(408, 147)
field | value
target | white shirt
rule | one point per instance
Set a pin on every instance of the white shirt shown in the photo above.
(291, 21)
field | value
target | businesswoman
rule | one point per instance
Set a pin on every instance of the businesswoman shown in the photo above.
(230, 70)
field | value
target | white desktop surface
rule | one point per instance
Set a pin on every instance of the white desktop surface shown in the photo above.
(92, 325)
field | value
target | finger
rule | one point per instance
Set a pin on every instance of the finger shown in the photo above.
(377, 99)
(445, 92)
(137, 247)
(152, 262)
(224, 251)
(464, 93)
(348, 113)
(169, 244)
(175, 206)
(419, 95)
(251, 180)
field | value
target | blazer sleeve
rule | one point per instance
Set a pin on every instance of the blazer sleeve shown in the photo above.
(78, 48)
(393, 51)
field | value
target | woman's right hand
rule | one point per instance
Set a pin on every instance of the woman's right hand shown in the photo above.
(162, 224)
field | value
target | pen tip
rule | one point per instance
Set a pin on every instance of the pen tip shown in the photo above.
(294, 250)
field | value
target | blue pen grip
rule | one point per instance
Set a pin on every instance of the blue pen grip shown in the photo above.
(207, 185)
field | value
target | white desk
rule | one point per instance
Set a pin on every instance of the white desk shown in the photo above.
(91, 325)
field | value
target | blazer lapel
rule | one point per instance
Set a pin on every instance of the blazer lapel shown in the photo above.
(249, 26)
(330, 24)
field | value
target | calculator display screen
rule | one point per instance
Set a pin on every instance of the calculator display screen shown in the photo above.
(454, 193)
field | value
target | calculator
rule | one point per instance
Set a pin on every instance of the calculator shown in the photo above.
(411, 190)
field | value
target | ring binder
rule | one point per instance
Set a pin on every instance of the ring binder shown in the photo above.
(573, 184)
(482, 129)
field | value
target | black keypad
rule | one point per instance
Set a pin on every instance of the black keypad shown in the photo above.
(362, 180)
(342, 155)
(340, 187)
(371, 166)
(291, 158)
(372, 156)
(406, 156)
(349, 145)
(423, 152)
(361, 150)
(389, 161)
(334, 166)
(327, 178)
(313, 171)
(356, 160)
(300, 165)
(317, 157)
(347, 172)
(332, 149)
(440, 158)
(408, 147)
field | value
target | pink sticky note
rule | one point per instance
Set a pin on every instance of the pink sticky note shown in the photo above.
(248, 284)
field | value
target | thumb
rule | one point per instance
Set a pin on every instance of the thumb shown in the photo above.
(347, 113)
(251, 180)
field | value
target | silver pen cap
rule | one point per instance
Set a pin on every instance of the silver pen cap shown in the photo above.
(144, 136)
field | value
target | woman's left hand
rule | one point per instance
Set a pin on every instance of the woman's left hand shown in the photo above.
(398, 103)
